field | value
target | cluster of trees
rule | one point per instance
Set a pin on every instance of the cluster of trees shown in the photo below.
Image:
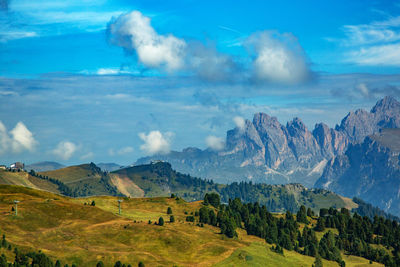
(366, 209)
(120, 264)
(37, 259)
(356, 233)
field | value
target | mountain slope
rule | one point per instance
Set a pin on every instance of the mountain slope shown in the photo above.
(370, 170)
(263, 150)
(44, 166)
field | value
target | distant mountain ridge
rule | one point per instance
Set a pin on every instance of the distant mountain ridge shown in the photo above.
(264, 150)
(109, 166)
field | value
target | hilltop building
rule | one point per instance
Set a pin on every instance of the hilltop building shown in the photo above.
(17, 166)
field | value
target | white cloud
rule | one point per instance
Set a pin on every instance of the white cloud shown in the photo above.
(133, 31)
(239, 122)
(278, 58)
(22, 138)
(155, 142)
(122, 151)
(88, 155)
(18, 140)
(65, 150)
(215, 143)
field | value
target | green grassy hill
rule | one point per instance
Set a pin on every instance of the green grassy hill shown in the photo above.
(84, 180)
(67, 229)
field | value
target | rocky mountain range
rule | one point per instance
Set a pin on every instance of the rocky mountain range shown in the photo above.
(264, 150)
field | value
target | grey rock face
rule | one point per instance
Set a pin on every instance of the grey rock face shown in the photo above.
(370, 170)
(330, 141)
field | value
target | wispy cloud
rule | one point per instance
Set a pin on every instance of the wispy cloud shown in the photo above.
(6, 36)
(215, 143)
(122, 151)
(87, 156)
(373, 44)
(65, 150)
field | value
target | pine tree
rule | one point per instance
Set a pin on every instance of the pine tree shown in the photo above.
(169, 210)
(161, 221)
(320, 225)
(141, 264)
(172, 219)
(301, 215)
(318, 261)
(100, 264)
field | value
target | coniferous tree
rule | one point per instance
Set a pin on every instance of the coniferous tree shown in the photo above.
(3, 261)
(301, 215)
(161, 221)
(318, 261)
(310, 212)
(100, 264)
(141, 264)
(3, 241)
(320, 224)
(169, 210)
(172, 219)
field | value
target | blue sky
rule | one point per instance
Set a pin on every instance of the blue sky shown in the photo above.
(111, 81)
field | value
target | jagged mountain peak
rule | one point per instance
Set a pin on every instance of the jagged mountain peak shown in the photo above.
(296, 125)
(386, 104)
(263, 119)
